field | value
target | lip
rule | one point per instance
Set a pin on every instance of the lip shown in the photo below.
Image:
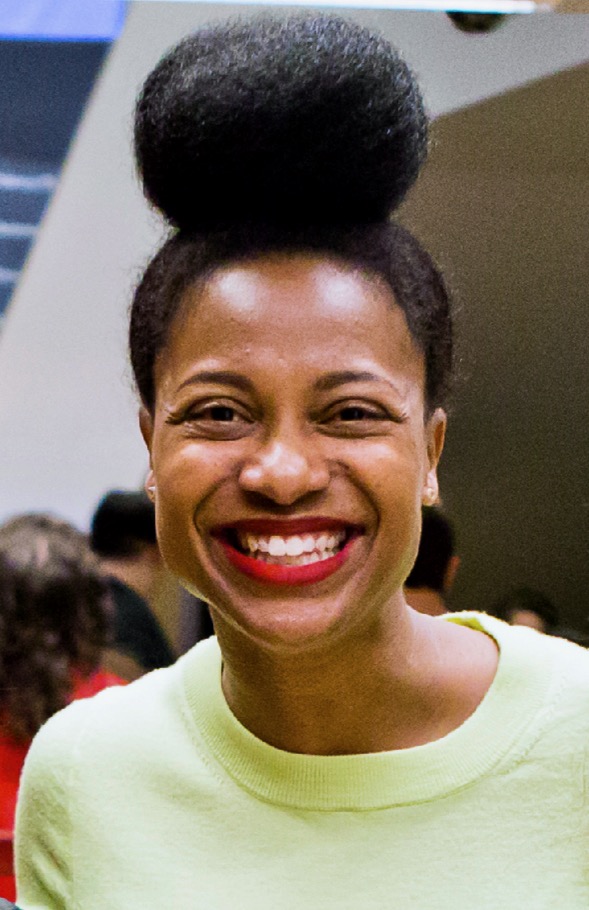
(284, 526)
(287, 575)
(272, 574)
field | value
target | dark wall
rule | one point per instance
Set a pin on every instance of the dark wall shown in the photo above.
(504, 205)
(43, 89)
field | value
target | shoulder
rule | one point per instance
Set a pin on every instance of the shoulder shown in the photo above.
(122, 719)
(108, 717)
(74, 758)
(557, 668)
(568, 661)
(524, 640)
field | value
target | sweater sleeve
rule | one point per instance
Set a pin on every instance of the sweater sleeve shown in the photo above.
(43, 825)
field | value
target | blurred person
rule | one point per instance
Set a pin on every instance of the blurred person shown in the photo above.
(524, 606)
(123, 537)
(55, 614)
(432, 576)
(195, 621)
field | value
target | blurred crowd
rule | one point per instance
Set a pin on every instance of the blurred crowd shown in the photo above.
(429, 585)
(75, 617)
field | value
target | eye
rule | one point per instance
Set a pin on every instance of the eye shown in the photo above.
(357, 412)
(213, 420)
(355, 419)
(215, 412)
(220, 412)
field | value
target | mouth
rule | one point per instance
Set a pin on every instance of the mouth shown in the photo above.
(288, 553)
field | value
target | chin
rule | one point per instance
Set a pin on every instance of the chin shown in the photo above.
(286, 626)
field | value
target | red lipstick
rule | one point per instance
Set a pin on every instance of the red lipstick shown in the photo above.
(286, 575)
(284, 526)
(283, 574)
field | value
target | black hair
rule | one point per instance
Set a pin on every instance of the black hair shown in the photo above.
(289, 135)
(528, 600)
(304, 120)
(124, 521)
(436, 549)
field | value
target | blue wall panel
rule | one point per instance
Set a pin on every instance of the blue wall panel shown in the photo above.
(62, 20)
(50, 54)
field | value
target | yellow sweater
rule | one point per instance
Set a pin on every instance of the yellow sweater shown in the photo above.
(154, 796)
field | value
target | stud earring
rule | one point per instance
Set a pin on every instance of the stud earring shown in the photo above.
(430, 496)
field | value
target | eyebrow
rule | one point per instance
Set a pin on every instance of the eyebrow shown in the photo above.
(344, 377)
(220, 377)
(324, 384)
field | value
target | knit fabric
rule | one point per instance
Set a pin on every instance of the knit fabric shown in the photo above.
(155, 795)
(13, 753)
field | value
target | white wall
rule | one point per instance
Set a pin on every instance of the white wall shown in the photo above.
(68, 428)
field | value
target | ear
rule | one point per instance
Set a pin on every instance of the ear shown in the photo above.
(146, 427)
(435, 434)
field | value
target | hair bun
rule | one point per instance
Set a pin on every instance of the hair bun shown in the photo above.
(309, 119)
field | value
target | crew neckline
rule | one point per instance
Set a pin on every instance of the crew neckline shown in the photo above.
(375, 780)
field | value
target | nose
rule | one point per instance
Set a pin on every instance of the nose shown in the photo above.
(285, 469)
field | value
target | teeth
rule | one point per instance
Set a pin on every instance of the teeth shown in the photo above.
(294, 549)
(277, 546)
(294, 546)
(305, 560)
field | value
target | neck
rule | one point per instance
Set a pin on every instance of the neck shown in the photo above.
(372, 693)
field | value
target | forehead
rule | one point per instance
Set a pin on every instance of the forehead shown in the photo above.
(292, 310)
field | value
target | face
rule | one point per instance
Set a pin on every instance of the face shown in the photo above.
(289, 450)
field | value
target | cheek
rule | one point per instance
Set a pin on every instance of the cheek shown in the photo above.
(391, 476)
(185, 470)
(390, 470)
(175, 530)
(184, 478)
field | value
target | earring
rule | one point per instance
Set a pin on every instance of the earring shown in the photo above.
(430, 496)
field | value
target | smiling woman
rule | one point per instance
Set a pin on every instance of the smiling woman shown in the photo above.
(263, 447)
(292, 349)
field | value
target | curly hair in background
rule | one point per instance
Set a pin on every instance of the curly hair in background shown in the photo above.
(54, 618)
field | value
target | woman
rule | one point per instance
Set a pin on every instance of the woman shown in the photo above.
(292, 347)
(54, 622)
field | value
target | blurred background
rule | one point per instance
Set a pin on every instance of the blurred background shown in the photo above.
(503, 204)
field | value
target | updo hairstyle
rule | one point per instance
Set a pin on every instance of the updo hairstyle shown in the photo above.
(296, 135)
